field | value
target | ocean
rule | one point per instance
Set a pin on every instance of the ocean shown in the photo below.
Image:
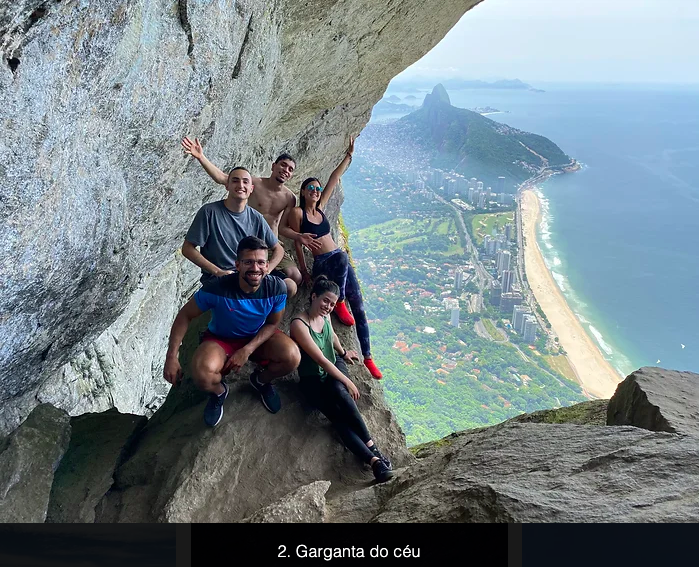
(620, 236)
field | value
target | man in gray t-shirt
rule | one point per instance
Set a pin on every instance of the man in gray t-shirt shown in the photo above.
(219, 227)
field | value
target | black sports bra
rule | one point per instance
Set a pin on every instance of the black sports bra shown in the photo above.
(319, 230)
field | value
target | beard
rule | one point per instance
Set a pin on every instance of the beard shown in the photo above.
(251, 282)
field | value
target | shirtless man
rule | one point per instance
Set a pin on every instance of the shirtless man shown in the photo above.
(273, 200)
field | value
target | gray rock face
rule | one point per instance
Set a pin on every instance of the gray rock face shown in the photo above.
(539, 473)
(96, 192)
(658, 400)
(307, 505)
(27, 464)
(98, 443)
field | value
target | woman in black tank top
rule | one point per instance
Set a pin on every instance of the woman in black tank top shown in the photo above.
(308, 219)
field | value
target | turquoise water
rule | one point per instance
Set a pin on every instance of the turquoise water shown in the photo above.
(621, 235)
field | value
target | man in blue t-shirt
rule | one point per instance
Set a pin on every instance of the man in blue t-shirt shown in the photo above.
(247, 307)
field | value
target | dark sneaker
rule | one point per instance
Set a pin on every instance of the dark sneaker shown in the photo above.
(378, 454)
(381, 472)
(213, 413)
(269, 396)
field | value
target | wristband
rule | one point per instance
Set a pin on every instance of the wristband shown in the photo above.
(344, 354)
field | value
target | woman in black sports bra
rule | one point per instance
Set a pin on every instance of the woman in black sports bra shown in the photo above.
(328, 259)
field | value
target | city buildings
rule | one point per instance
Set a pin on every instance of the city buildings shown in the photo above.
(503, 259)
(454, 317)
(518, 314)
(508, 278)
(529, 329)
(509, 300)
(500, 186)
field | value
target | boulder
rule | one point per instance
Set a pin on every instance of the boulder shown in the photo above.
(306, 504)
(658, 400)
(530, 472)
(28, 461)
(98, 444)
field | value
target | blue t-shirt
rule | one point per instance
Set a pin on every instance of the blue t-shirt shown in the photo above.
(236, 314)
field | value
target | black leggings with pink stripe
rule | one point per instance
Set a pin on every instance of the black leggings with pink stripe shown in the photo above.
(336, 266)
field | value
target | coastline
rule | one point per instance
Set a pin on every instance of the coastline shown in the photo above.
(596, 375)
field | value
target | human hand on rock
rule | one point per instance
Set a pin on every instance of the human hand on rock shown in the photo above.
(193, 147)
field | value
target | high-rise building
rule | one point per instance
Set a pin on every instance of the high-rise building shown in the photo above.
(486, 242)
(518, 313)
(420, 185)
(509, 300)
(481, 200)
(451, 188)
(458, 280)
(501, 184)
(504, 258)
(495, 292)
(529, 329)
(501, 198)
(437, 178)
(472, 193)
(508, 278)
(455, 317)
(461, 185)
(479, 185)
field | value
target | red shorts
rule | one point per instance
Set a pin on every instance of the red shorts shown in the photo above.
(232, 345)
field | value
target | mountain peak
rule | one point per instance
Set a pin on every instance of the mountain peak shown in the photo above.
(438, 94)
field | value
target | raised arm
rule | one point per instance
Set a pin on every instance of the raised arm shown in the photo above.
(194, 149)
(335, 175)
(172, 371)
(300, 333)
(286, 231)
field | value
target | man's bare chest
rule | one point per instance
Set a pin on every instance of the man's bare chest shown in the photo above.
(267, 204)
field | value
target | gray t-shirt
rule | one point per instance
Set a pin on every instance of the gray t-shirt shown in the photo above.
(217, 231)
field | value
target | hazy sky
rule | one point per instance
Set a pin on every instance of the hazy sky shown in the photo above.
(571, 40)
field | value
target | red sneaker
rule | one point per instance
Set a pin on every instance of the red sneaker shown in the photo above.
(375, 372)
(343, 314)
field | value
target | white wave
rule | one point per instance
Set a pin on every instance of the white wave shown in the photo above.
(560, 280)
(581, 318)
(600, 341)
(549, 245)
(556, 261)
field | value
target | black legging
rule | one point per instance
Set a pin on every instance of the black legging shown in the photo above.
(337, 267)
(333, 399)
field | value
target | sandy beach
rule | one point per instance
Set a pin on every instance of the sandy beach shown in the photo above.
(597, 376)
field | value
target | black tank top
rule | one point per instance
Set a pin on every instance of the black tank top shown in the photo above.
(319, 230)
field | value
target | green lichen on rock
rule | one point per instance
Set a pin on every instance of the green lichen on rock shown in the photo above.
(585, 413)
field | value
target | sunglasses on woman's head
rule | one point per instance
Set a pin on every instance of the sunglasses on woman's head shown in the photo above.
(314, 188)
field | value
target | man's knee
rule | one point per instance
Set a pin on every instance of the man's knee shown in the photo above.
(291, 287)
(293, 273)
(206, 369)
(290, 355)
